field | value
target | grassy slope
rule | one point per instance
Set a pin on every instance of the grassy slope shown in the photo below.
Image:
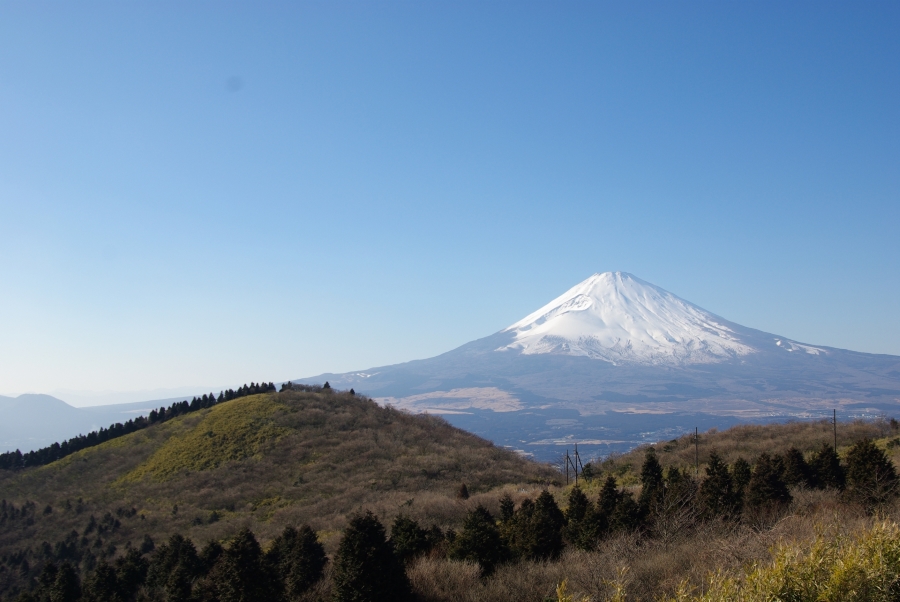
(266, 461)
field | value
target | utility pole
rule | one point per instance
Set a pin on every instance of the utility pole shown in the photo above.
(567, 467)
(575, 465)
(834, 424)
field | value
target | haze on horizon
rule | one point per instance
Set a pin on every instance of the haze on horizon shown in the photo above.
(210, 194)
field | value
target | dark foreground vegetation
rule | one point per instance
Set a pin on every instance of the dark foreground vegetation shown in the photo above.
(329, 497)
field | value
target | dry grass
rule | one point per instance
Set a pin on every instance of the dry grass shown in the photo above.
(228, 432)
(296, 457)
(644, 569)
(286, 458)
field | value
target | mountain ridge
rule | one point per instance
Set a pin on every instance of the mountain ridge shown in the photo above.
(476, 384)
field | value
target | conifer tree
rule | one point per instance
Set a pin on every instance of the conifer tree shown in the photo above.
(825, 469)
(717, 492)
(547, 523)
(66, 586)
(131, 572)
(580, 528)
(651, 480)
(609, 497)
(365, 567)
(628, 514)
(479, 541)
(408, 538)
(296, 559)
(871, 476)
(209, 555)
(796, 470)
(174, 567)
(507, 508)
(766, 488)
(102, 585)
(578, 505)
(463, 492)
(240, 575)
(674, 510)
(741, 473)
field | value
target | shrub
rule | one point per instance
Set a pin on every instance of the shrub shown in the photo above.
(864, 568)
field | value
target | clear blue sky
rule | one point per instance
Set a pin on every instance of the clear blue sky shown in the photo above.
(208, 193)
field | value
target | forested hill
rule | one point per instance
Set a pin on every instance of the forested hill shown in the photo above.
(261, 461)
(260, 494)
(16, 460)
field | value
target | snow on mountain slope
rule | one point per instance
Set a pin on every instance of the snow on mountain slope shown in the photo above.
(618, 318)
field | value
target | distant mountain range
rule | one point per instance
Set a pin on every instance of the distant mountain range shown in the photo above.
(31, 421)
(615, 361)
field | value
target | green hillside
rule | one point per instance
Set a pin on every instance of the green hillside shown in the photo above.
(263, 462)
(646, 526)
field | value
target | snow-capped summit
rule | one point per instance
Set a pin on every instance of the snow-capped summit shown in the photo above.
(619, 318)
(614, 356)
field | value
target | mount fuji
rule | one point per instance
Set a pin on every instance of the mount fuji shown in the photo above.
(615, 361)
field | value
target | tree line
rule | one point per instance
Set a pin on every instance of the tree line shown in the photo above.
(369, 565)
(671, 502)
(17, 460)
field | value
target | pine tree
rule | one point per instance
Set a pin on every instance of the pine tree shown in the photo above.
(580, 528)
(628, 514)
(651, 480)
(578, 505)
(365, 567)
(766, 489)
(548, 522)
(463, 492)
(102, 585)
(131, 572)
(588, 472)
(674, 510)
(408, 538)
(296, 559)
(479, 541)
(717, 492)
(66, 586)
(871, 476)
(825, 469)
(174, 567)
(741, 473)
(796, 470)
(240, 575)
(209, 555)
(609, 497)
(507, 508)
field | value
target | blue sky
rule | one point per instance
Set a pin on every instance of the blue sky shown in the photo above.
(209, 193)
